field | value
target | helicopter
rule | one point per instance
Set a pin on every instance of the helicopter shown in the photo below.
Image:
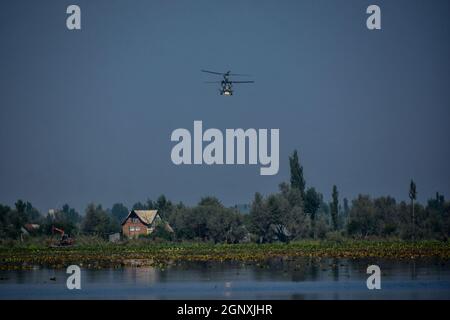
(226, 85)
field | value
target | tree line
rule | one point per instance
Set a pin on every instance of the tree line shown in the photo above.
(297, 212)
(294, 212)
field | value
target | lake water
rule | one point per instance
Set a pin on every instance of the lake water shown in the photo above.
(300, 278)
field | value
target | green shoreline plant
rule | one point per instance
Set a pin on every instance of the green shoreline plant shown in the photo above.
(147, 253)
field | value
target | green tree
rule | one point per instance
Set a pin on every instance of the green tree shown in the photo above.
(345, 212)
(413, 197)
(346, 208)
(26, 213)
(335, 207)
(386, 216)
(150, 205)
(223, 225)
(67, 219)
(12, 220)
(119, 212)
(295, 223)
(71, 214)
(278, 208)
(280, 216)
(313, 200)
(362, 219)
(210, 201)
(8, 228)
(292, 195)
(298, 223)
(164, 207)
(185, 223)
(208, 221)
(260, 219)
(297, 180)
(97, 222)
(141, 206)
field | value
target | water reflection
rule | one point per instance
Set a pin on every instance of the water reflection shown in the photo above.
(288, 278)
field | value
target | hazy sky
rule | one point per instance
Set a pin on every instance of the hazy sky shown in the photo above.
(87, 115)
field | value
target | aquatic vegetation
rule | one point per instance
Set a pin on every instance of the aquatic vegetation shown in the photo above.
(106, 255)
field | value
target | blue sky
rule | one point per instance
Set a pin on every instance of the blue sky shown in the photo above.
(86, 116)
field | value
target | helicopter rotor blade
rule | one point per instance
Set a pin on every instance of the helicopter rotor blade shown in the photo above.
(240, 74)
(213, 72)
(228, 73)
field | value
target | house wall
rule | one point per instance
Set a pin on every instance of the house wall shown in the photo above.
(132, 229)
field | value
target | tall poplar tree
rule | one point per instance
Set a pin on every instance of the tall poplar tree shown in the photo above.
(334, 208)
(297, 180)
(413, 197)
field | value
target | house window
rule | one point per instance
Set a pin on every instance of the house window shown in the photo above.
(135, 220)
(132, 229)
(137, 229)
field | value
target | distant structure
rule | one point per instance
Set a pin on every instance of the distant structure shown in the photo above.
(142, 222)
(52, 212)
(28, 229)
(114, 237)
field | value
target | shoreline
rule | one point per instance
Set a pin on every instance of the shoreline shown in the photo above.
(109, 255)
